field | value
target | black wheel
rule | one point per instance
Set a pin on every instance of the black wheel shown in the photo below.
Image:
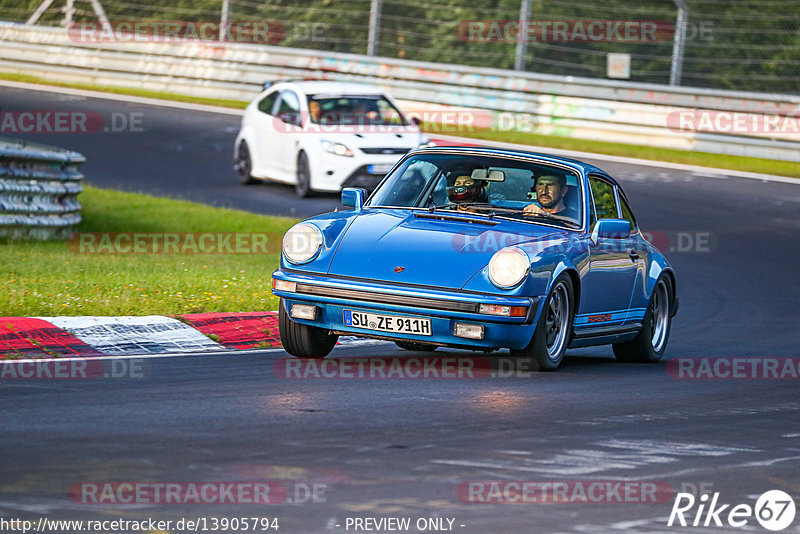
(303, 186)
(301, 340)
(244, 164)
(554, 328)
(420, 347)
(650, 343)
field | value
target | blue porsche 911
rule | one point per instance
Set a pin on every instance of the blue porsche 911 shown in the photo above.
(481, 249)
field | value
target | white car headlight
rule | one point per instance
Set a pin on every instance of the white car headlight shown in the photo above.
(302, 242)
(508, 267)
(336, 148)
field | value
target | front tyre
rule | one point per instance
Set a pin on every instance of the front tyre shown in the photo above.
(244, 164)
(303, 341)
(303, 186)
(554, 328)
(650, 343)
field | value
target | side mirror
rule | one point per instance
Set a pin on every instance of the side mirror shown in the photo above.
(611, 229)
(353, 197)
(416, 121)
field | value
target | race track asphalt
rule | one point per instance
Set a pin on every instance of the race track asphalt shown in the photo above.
(400, 448)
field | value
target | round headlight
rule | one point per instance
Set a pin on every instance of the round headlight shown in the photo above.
(302, 242)
(508, 267)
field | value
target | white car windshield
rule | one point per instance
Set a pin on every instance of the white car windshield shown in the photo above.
(354, 110)
(494, 186)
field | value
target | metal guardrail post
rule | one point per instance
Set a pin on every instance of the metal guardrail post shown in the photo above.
(522, 40)
(374, 27)
(39, 187)
(677, 48)
(224, 17)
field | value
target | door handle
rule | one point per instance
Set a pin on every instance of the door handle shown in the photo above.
(634, 254)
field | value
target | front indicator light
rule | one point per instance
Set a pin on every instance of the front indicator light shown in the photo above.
(303, 311)
(283, 285)
(503, 311)
(469, 331)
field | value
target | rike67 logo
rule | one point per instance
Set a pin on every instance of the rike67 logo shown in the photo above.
(774, 510)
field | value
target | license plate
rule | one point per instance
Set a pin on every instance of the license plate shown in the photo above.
(379, 168)
(420, 326)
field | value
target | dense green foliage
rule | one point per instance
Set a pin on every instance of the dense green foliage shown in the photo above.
(737, 44)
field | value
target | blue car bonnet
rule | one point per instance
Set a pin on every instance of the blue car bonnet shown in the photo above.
(397, 246)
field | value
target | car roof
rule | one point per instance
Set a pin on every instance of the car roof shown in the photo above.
(494, 151)
(312, 87)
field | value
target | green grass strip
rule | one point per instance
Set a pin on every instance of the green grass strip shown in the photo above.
(56, 278)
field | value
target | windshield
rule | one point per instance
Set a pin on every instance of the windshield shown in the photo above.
(484, 185)
(354, 110)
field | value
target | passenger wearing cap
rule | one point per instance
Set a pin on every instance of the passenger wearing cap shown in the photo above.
(550, 192)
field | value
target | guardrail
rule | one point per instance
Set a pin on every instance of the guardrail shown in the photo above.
(39, 187)
(574, 107)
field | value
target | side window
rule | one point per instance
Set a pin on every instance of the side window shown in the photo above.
(289, 108)
(268, 103)
(603, 195)
(289, 103)
(627, 214)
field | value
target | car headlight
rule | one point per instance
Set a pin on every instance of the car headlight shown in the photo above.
(336, 148)
(508, 267)
(301, 243)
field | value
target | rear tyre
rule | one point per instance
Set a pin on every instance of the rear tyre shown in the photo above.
(303, 341)
(554, 328)
(650, 343)
(420, 347)
(303, 186)
(244, 164)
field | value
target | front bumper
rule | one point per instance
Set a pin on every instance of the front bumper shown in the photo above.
(332, 173)
(445, 307)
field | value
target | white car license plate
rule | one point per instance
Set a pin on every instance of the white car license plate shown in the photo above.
(420, 326)
(379, 168)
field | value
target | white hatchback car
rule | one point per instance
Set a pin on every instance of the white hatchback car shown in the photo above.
(322, 136)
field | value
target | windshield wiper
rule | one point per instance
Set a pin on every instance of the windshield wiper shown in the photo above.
(558, 218)
(439, 207)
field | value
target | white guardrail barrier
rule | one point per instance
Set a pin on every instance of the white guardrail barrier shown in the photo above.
(727, 122)
(39, 187)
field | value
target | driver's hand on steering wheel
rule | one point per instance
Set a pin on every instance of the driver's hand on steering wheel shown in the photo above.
(533, 209)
